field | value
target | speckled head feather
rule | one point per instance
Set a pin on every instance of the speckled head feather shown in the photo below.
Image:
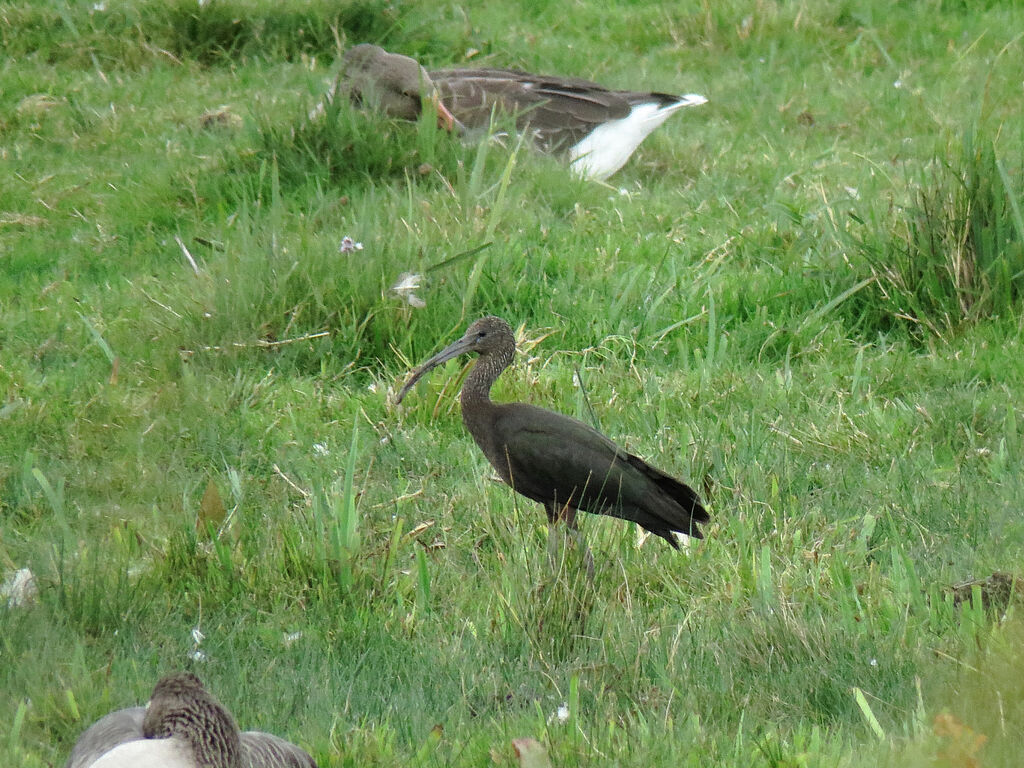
(181, 707)
(490, 337)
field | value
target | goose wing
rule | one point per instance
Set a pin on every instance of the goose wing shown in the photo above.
(561, 111)
(105, 734)
(264, 750)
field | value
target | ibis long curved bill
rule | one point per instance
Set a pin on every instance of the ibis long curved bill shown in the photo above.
(453, 350)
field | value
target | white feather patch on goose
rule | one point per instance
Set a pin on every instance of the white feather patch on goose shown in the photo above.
(607, 148)
(148, 753)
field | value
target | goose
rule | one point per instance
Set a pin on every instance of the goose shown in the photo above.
(183, 726)
(597, 127)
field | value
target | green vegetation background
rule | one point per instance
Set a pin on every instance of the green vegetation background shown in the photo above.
(803, 298)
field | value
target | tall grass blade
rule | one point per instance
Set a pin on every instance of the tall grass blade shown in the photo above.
(55, 496)
(98, 338)
(824, 310)
(422, 581)
(14, 736)
(1012, 198)
(858, 372)
(350, 520)
(869, 716)
(709, 361)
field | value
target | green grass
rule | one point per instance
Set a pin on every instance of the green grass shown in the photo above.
(957, 255)
(762, 303)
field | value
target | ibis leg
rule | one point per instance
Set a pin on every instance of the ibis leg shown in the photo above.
(567, 515)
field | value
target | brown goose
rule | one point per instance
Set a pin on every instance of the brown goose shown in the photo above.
(393, 83)
(183, 726)
(598, 128)
(554, 459)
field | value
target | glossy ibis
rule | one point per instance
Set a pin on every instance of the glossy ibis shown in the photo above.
(556, 460)
(183, 726)
(598, 128)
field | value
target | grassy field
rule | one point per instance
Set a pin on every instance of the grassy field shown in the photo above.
(804, 298)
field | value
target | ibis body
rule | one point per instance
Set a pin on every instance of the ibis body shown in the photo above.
(556, 460)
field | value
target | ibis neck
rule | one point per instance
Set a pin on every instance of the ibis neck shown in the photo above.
(476, 389)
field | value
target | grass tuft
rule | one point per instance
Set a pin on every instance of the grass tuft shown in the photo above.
(956, 255)
(346, 146)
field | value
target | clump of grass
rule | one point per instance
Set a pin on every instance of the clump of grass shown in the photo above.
(210, 33)
(954, 256)
(346, 146)
(217, 31)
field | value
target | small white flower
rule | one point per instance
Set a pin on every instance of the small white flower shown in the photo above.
(198, 656)
(197, 636)
(320, 449)
(898, 83)
(99, 6)
(135, 570)
(318, 111)
(348, 245)
(560, 715)
(20, 588)
(290, 638)
(874, 662)
(407, 283)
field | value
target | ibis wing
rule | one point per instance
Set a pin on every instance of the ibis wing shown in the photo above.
(558, 460)
(555, 458)
(680, 493)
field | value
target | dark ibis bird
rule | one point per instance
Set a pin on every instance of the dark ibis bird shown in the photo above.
(556, 460)
(597, 127)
